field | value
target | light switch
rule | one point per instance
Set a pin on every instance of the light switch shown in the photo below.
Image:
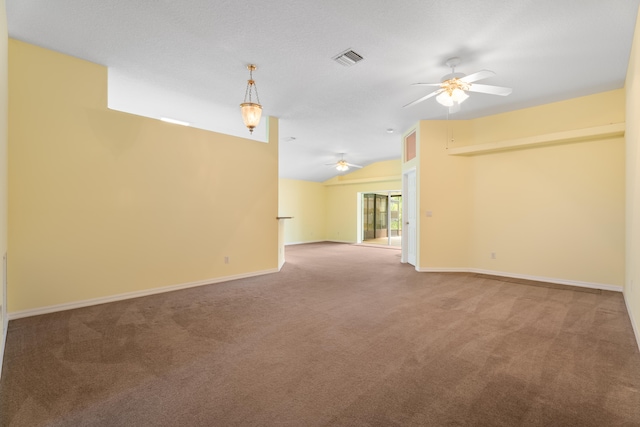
(429, 214)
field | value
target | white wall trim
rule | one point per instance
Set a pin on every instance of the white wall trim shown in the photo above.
(303, 243)
(442, 270)
(281, 264)
(3, 307)
(636, 332)
(129, 295)
(4, 342)
(601, 286)
(351, 242)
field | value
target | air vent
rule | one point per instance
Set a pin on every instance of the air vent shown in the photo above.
(348, 58)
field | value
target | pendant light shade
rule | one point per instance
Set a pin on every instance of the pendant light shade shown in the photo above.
(251, 111)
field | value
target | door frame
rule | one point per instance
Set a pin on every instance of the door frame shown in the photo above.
(406, 196)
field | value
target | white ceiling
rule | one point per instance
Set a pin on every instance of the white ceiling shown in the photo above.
(186, 60)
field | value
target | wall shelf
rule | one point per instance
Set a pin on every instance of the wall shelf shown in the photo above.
(576, 135)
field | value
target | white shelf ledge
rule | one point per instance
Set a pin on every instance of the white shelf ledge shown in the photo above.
(585, 134)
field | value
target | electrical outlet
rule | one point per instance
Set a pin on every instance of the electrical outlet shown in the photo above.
(226, 260)
(493, 255)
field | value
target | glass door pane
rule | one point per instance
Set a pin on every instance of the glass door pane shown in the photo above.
(395, 205)
(381, 216)
(368, 213)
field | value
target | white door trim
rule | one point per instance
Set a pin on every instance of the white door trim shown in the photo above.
(409, 231)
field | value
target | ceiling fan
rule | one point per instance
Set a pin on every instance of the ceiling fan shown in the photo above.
(342, 165)
(454, 87)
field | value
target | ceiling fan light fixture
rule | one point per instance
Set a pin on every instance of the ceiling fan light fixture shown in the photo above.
(445, 99)
(454, 92)
(342, 166)
(251, 111)
(459, 95)
(454, 86)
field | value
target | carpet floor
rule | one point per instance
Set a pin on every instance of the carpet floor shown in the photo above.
(344, 335)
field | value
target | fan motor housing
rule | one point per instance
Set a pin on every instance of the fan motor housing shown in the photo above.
(452, 76)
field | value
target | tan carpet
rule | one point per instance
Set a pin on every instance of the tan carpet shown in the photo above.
(344, 335)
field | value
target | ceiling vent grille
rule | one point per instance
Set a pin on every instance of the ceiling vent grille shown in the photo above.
(348, 58)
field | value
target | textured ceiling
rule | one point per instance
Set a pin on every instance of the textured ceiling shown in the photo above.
(186, 59)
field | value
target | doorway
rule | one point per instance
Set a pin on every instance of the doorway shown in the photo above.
(382, 218)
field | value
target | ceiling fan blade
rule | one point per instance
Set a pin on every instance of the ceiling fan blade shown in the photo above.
(493, 90)
(427, 96)
(353, 166)
(482, 74)
(426, 84)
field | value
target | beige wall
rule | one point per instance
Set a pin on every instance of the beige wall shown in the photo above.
(554, 211)
(632, 135)
(3, 164)
(443, 190)
(577, 113)
(103, 203)
(329, 210)
(342, 196)
(305, 201)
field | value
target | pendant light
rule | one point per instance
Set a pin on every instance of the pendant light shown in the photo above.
(251, 111)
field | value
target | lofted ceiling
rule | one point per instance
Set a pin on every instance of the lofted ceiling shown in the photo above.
(187, 59)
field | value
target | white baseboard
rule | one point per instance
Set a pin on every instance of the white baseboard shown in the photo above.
(319, 241)
(4, 341)
(3, 310)
(303, 243)
(601, 286)
(282, 264)
(443, 270)
(129, 295)
(636, 332)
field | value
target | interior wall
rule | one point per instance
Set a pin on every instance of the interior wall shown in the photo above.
(632, 136)
(328, 210)
(444, 209)
(4, 98)
(577, 113)
(342, 196)
(104, 203)
(306, 202)
(553, 212)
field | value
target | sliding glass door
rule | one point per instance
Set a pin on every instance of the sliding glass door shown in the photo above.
(382, 218)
